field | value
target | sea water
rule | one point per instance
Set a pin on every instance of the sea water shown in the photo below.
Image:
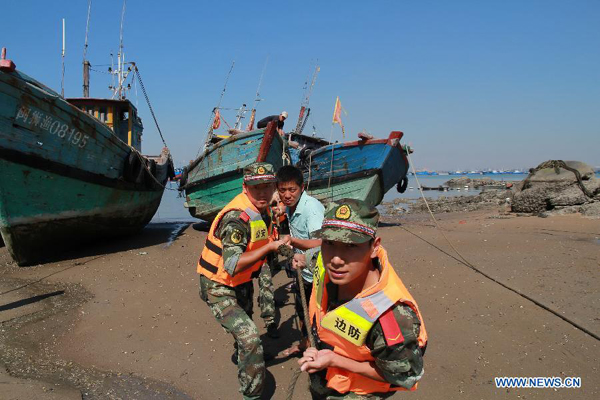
(412, 191)
(171, 208)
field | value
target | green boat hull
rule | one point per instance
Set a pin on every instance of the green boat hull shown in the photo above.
(66, 176)
(368, 189)
(57, 212)
(215, 178)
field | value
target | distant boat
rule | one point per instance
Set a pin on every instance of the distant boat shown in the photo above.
(215, 178)
(363, 169)
(71, 169)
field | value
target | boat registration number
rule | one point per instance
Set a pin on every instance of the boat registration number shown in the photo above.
(35, 119)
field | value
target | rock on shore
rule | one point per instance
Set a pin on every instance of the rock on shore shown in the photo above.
(472, 182)
(553, 190)
(484, 200)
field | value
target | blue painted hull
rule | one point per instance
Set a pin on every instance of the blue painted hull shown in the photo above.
(353, 163)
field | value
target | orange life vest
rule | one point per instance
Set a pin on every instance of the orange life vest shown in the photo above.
(346, 327)
(210, 263)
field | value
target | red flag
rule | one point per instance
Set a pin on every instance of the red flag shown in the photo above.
(217, 121)
(337, 115)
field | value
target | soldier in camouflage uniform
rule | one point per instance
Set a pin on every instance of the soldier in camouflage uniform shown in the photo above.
(369, 332)
(236, 247)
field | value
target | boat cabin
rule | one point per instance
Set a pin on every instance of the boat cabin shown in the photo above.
(119, 115)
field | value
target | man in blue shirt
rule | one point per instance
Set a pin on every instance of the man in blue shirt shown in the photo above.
(305, 216)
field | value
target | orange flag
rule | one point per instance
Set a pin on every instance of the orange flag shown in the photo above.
(337, 115)
(217, 121)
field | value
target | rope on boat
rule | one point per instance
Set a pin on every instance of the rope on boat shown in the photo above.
(464, 261)
(298, 372)
(137, 73)
(145, 166)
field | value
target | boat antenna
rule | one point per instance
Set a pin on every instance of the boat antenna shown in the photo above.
(86, 63)
(209, 135)
(62, 83)
(240, 116)
(257, 97)
(119, 91)
(262, 74)
(304, 105)
(120, 54)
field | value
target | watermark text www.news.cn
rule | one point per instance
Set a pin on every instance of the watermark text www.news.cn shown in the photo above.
(538, 382)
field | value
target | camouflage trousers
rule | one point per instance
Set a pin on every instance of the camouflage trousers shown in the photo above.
(232, 307)
(266, 294)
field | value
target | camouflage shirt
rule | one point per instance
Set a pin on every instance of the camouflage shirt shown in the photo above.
(234, 234)
(400, 364)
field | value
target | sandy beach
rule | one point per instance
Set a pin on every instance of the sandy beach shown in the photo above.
(123, 320)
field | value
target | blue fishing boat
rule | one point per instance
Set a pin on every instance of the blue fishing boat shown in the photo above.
(72, 170)
(215, 178)
(363, 169)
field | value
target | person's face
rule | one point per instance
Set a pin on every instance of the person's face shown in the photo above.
(260, 195)
(348, 263)
(289, 193)
(281, 118)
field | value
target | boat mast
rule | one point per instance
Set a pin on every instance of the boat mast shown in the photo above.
(257, 97)
(119, 91)
(86, 63)
(209, 135)
(240, 116)
(62, 82)
(304, 105)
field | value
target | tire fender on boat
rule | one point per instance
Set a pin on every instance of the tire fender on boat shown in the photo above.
(132, 168)
(184, 177)
(150, 178)
(402, 185)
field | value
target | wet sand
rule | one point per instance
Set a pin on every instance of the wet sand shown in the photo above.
(124, 320)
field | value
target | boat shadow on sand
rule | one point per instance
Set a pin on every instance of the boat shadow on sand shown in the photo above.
(152, 235)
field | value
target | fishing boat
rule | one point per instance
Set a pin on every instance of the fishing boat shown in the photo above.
(72, 169)
(363, 170)
(215, 178)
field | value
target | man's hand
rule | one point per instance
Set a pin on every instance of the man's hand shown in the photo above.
(314, 360)
(299, 261)
(285, 240)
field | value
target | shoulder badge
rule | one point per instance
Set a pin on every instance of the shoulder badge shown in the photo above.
(343, 212)
(244, 217)
(390, 327)
(236, 236)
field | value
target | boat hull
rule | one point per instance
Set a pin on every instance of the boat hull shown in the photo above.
(368, 189)
(363, 170)
(57, 212)
(62, 175)
(216, 177)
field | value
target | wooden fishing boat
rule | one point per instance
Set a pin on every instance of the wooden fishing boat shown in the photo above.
(215, 178)
(71, 169)
(363, 170)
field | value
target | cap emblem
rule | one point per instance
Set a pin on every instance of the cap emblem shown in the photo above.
(343, 212)
(261, 170)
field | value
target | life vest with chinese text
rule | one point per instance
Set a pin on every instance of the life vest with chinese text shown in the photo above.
(346, 327)
(211, 264)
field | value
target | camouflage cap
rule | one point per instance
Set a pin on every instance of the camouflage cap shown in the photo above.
(349, 221)
(259, 172)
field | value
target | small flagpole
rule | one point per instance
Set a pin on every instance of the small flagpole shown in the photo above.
(331, 165)
(62, 84)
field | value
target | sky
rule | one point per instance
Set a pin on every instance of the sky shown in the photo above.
(472, 84)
